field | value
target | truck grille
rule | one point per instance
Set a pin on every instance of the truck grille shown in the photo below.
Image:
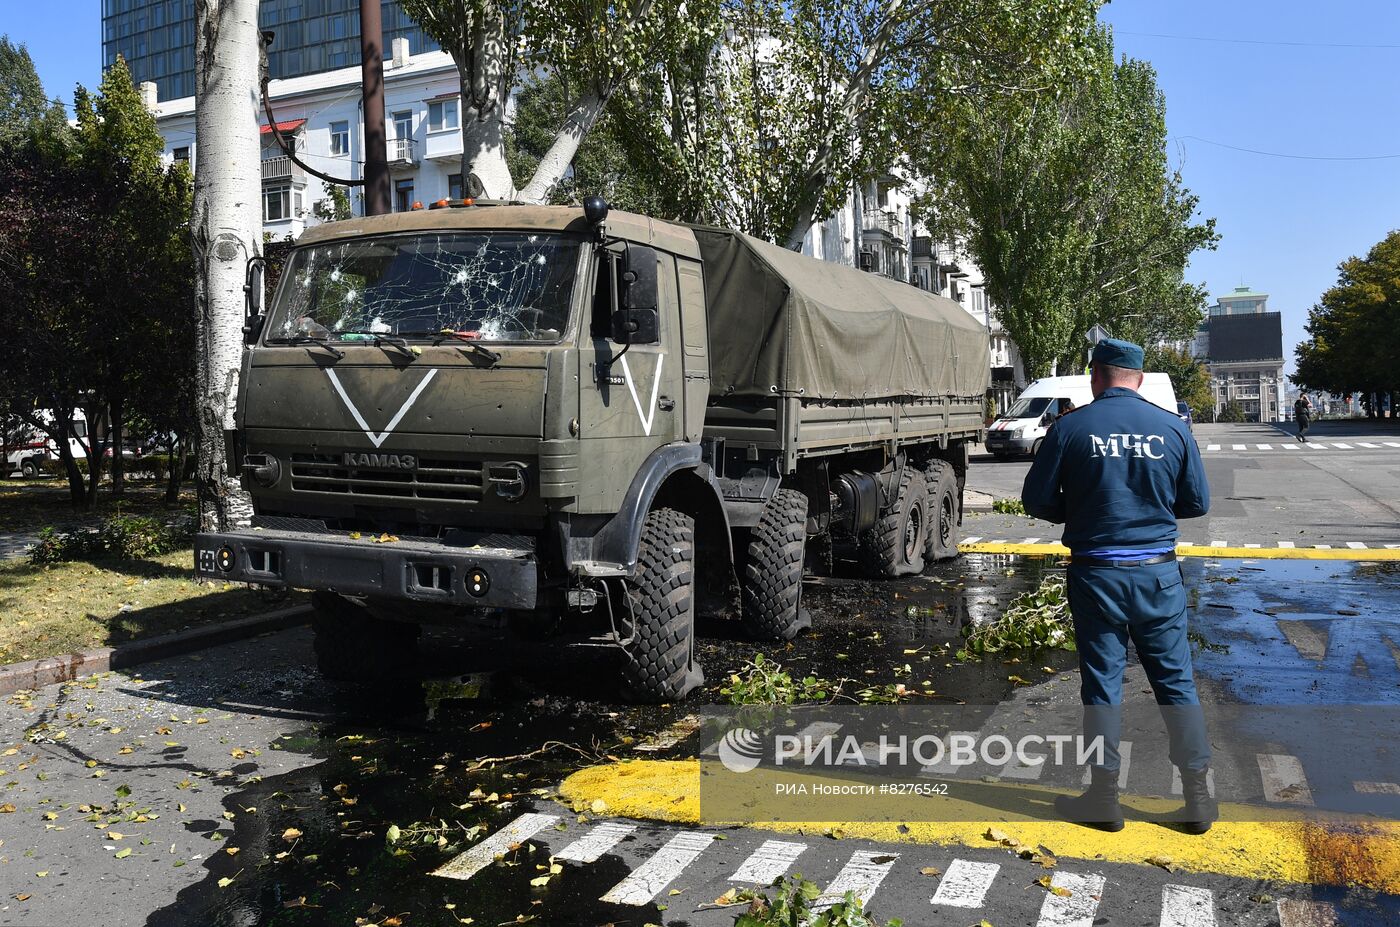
(451, 480)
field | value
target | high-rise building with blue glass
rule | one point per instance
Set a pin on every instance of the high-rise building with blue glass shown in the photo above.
(156, 37)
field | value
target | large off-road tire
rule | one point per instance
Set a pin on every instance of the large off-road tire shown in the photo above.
(354, 646)
(772, 586)
(895, 545)
(659, 663)
(945, 507)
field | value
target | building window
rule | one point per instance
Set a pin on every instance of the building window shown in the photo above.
(403, 125)
(277, 203)
(442, 115)
(454, 186)
(403, 195)
(182, 154)
(340, 137)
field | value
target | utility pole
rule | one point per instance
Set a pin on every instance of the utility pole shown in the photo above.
(372, 90)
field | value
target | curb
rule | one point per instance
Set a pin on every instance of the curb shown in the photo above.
(35, 674)
(974, 501)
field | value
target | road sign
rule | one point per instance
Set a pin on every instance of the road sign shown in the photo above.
(1096, 334)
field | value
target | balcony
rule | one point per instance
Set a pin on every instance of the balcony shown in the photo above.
(403, 154)
(886, 222)
(281, 169)
(443, 146)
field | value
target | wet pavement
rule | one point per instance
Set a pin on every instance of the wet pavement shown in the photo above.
(130, 791)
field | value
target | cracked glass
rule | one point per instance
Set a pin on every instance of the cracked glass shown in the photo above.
(493, 286)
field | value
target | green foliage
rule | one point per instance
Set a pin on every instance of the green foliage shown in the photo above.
(121, 537)
(1033, 621)
(1067, 202)
(1009, 506)
(791, 906)
(335, 207)
(1190, 377)
(1354, 330)
(1232, 413)
(763, 682)
(23, 107)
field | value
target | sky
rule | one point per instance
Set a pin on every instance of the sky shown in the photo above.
(1316, 83)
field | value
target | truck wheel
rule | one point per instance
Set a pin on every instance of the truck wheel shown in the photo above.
(354, 646)
(29, 468)
(944, 508)
(659, 664)
(773, 569)
(895, 546)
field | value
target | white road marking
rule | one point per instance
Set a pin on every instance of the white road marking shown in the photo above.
(650, 878)
(1254, 545)
(1392, 443)
(1345, 447)
(1283, 778)
(1238, 447)
(1077, 909)
(1187, 906)
(1212, 447)
(1322, 546)
(1013, 768)
(1293, 913)
(1377, 788)
(965, 884)
(1125, 756)
(1289, 447)
(816, 732)
(1218, 543)
(592, 845)
(1265, 447)
(1031, 541)
(1178, 789)
(1356, 545)
(1364, 444)
(1286, 545)
(862, 875)
(1391, 546)
(465, 865)
(972, 540)
(1313, 445)
(769, 861)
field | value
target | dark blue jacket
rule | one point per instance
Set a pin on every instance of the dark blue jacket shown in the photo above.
(1117, 473)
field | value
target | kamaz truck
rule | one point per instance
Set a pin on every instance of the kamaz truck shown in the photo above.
(566, 414)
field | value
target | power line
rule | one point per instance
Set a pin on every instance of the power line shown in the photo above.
(1230, 41)
(1292, 157)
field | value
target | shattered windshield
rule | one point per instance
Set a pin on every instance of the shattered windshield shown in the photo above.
(493, 286)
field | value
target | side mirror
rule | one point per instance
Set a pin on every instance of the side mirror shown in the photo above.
(253, 316)
(1047, 418)
(637, 320)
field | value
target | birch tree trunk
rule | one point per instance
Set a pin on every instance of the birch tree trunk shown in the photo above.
(486, 72)
(560, 155)
(226, 225)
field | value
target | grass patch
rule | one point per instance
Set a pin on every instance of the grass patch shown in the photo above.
(1009, 506)
(30, 505)
(51, 609)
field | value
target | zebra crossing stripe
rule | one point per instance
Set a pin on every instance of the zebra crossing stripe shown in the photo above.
(971, 540)
(1177, 787)
(1032, 541)
(1212, 447)
(1238, 447)
(1014, 769)
(1292, 913)
(1286, 545)
(1356, 545)
(592, 845)
(1392, 443)
(1187, 906)
(1283, 778)
(1077, 909)
(1125, 756)
(465, 865)
(861, 875)
(769, 861)
(1322, 546)
(650, 878)
(810, 737)
(1345, 447)
(1377, 788)
(1265, 447)
(946, 765)
(1253, 546)
(965, 884)
(1364, 444)
(1289, 447)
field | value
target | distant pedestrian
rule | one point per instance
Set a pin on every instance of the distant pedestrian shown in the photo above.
(1302, 412)
(1118, 473)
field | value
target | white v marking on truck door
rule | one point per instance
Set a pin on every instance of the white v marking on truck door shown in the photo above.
(378, 439)
(649, 415)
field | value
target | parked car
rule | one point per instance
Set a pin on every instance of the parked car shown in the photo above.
(1024, 425)
(1183, 412)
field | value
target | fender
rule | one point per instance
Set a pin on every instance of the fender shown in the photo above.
(616, 544)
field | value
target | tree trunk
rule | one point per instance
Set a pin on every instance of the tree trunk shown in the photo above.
(175, 471)
(226, 226)
(561, 153)
(116, 410)
(484, 170)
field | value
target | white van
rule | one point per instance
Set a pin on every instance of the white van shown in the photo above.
(1024, 425)
(36, 448)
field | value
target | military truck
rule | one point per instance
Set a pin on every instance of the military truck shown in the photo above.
(552, 412)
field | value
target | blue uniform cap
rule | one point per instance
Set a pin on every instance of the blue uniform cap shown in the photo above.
(1118, 353)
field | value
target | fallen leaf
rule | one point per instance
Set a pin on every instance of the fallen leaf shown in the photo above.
(290, 834)
(7, 808)
(22, 897)
(231, 851)
(598, 806)
(124, 853)
(931, 871)
(1165, 862)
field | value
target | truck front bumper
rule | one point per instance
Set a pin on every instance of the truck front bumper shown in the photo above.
(498, 573)
(1005, 442)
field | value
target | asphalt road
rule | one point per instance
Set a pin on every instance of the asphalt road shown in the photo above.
(1340, 489)
(131, 790)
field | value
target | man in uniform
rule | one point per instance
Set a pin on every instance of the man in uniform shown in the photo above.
(1118, 473)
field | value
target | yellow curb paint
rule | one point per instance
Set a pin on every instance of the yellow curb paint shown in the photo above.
(1251, 553)
(1306, 852)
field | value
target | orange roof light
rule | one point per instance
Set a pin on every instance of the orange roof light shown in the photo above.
(417, 204)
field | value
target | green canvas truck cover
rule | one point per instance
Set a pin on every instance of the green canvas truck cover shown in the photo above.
(826, 331)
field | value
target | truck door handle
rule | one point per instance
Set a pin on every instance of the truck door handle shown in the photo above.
(665, 403)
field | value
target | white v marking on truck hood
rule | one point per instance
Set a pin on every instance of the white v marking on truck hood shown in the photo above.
(378, 439)
(649, 415)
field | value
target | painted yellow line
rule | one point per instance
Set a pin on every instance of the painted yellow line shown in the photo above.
(1194, 550)
(1309, 852)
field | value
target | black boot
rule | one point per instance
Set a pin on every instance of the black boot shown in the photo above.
(1200, 810)
(1098, 806)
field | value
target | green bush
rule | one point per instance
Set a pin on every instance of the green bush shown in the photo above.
(123, 537)
(1009, 506)
(54, 467)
